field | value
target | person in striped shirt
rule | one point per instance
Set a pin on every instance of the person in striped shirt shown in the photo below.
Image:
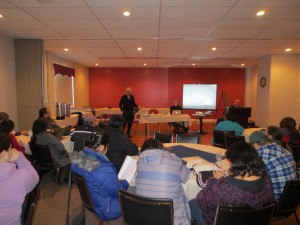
(159, 175)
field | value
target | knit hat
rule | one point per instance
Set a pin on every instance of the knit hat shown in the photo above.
(256, 136)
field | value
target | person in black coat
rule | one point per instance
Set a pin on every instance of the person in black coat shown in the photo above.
(120, 144)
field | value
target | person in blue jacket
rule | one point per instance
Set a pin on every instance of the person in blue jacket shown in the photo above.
(100, 175)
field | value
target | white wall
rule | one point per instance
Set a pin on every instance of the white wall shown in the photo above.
(8, 97)
(81, 82)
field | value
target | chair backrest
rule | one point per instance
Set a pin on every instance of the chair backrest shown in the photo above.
(153, 111)
(219, 138)
(139, 210)
(289, 199)
(231, 138)
(41, 154)
(28, 207)
(188, 138)
(84, 192)
(164, 137)
(241, 214)
(296, 153)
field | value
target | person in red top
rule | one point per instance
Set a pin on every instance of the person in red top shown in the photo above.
(7, 126)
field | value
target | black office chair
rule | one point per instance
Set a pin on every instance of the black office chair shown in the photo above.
(43, 158)
(219, 138)
(188, 138)
(164, 137)
(85, 195)
(289, 200)
(244, 215)
(295, 148)
(139, 210)
(28, 207)
(231, 138)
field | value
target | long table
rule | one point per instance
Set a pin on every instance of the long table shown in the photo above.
(163, 118)
(111, 111)
(72, 120)
(206, 152)
(68, 144)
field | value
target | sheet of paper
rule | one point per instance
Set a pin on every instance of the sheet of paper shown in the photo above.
(128, 168)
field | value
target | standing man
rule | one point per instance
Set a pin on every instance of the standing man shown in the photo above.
(127, 105)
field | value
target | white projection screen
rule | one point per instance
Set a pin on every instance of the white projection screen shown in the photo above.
(199, 96)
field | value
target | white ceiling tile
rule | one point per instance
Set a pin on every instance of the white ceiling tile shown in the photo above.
(130, 24)
(172, 33)
(73, 24)
(187, 13)
(123, 3)
(4, 4)
(48, 3)
(84, 33)
(136, 13)
(60, 13)
(15, 14)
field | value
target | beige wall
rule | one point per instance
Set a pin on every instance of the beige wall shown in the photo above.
(251, 90)
(8, 96)
(281, 95)
(81, 82)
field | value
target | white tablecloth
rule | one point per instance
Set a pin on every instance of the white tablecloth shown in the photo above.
(162, 118)
(191, 188)
(112, 111)
(72, 120)
(69, 145)
(248, 131)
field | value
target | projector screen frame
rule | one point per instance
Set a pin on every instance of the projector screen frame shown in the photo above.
(212, 96)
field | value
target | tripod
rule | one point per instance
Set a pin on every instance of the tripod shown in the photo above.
(225, 101)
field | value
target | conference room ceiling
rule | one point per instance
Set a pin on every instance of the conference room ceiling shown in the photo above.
(171, 33)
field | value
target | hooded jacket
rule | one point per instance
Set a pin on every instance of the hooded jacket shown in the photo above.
(102, 180)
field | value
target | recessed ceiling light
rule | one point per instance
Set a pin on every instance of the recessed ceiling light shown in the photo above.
(1, 16)
(139, 49)
(288, 50)
(214, 49)
(96, 64)
(126, 13)
(260, 13)
(242, 64)
(145, 64)
(66, 49)
(193, 64)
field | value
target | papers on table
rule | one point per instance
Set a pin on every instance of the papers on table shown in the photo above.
(199, 164)
(128, 168)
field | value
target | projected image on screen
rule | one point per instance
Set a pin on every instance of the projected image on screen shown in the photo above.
(199, 96)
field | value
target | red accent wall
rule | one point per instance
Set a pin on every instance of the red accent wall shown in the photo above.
(158, 87)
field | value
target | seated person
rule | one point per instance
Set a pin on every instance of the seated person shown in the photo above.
(289, 131)
(120, 144)
(82, 132)
(246, 182)
(3, 115)
(100, 175)
(17, 179)
(280, 163)
(45, 114)
(7, 126)
(60, 156)
(229, 124)
(236, 105)
(160, 175)
(275, 135)
(177, 126)
(57, 131)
